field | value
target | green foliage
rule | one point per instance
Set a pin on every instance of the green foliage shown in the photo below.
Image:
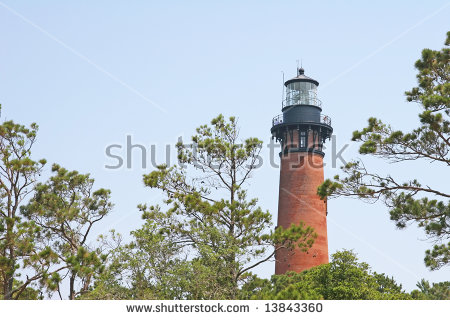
(28, 293)
(438, 256)
(344, 278)
(209, 236)
(407, 201)
(18, 173)
(435, 291)
(65, 208)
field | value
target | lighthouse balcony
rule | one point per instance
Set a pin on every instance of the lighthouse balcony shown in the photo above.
(279, 120)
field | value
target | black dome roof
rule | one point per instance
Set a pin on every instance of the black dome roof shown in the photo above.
(301, 78)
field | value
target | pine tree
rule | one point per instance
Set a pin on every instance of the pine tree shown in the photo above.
(18, 173)
(409, 201)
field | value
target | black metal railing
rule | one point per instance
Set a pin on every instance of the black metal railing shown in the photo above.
(325, 119)
(277, 120)
(280, 120)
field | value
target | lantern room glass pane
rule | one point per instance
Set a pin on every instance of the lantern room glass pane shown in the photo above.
(301, 93)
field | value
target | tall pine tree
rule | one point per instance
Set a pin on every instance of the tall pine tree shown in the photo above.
(409, 201)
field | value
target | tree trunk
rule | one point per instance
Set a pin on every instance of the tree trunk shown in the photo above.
(9, 278)
(72, 287)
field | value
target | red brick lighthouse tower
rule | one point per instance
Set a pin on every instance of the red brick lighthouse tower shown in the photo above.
(302, 129)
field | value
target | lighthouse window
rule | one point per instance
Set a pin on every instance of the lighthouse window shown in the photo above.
(320, 146)
(302, 139)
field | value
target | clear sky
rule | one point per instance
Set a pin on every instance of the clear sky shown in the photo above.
(92, 72)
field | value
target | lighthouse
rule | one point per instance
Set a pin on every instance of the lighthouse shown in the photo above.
(301, 130)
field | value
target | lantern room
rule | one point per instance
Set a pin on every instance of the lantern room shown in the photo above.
(301, 90)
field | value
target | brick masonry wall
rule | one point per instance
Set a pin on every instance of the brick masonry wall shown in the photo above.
(300, 175)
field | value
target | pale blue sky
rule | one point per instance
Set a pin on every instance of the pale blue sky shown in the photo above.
(91, 72)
